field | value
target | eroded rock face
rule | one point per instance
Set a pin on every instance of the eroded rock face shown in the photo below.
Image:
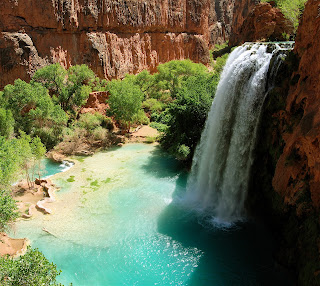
(264, 22)
(113, 37)
(299, 165)
(286, 172)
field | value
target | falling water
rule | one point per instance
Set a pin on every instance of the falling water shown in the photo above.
(218, 183)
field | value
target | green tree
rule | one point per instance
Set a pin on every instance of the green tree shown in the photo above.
(8, 210)
(172, 74)
(33, 268)
(53, 77)
(6, 123)
(70, 88)
(34, 111)
(187, 115)
(125, 100)
(9, 160)
(38, 150)
(165, 84)
(31, 151)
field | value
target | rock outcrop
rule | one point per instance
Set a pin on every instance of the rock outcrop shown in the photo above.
(113, 37)
(96, 103)
(263, 23)
(286, 178)
(302, 143)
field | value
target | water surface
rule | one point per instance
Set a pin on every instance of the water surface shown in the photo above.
(116, 222)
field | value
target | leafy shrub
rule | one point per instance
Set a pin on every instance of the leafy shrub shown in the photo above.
(219, 64)
(8, 210)
(187, 115)
(182, 152)
(30, 269)
(150, 139)
(152, 105)
(6, 123)
(141, 118)
(125, 100)
(100, 133)
(159, 126)
(88, 121)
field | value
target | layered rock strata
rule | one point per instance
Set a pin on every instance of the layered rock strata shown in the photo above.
(112, 37)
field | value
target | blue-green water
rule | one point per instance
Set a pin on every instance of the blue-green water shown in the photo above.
(48, 168)
(117, 223)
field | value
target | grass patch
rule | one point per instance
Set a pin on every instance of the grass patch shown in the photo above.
(151, 139)
(95, 183)
(71, 179)
(107, 180)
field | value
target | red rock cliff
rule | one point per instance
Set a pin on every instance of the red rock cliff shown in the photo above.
(113, 37)
(288, 155)
(263, 22)
(302, 142)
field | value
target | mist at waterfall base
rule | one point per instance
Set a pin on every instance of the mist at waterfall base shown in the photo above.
(218, 183)
(117, 224)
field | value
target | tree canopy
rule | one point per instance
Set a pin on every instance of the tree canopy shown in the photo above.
(125, 100)
(70, 88)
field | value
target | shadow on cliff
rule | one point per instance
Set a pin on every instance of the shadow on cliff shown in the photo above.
(241, 256)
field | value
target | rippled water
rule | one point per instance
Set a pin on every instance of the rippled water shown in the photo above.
(115, 222)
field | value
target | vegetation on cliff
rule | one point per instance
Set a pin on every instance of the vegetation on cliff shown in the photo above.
(292, 9)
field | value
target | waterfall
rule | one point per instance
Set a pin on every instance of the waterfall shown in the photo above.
(218, 183)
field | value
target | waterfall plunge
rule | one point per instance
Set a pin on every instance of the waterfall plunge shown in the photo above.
(218, 183)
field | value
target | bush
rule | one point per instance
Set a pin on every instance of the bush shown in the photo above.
(8, 210)
(182, 152)
(152, 105)
(100, 133)
(6, 123)
(150, 139)
(187, 115)
(125, 100)
(30, 269)
(88, 121)
(159, 126)
(141, 118)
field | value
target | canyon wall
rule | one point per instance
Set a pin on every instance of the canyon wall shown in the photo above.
(113, 37)
(263, 22)
(286, 173)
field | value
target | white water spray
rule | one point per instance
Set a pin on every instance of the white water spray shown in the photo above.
(218, 183)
